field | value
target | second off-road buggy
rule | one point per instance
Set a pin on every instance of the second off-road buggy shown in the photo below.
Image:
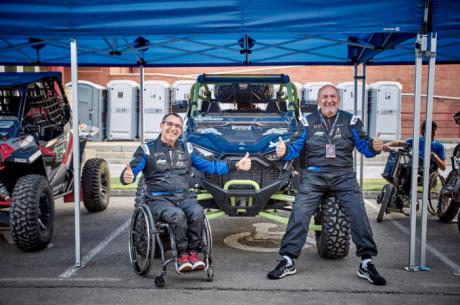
(36, 158)
(229, 115)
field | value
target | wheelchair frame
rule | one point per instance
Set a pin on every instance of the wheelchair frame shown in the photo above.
(143, 245)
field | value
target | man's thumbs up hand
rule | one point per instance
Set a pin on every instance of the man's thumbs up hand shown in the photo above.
(280, 148)
(244, 164)
(128, 175)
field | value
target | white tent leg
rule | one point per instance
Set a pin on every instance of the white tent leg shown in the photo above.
(363, 118)
(141, 104)
(419, 49)
(76, 147)
(427, 152)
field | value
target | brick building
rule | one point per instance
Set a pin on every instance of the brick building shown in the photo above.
(447, 85)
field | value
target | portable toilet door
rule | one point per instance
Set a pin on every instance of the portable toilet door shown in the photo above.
(181, 94)
(156, 106)
(385, 110)
(122, 109)
(311, 90)
(347, 98)
(92, 106)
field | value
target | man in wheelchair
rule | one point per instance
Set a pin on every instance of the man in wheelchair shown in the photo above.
(438, 155)
(166, 165)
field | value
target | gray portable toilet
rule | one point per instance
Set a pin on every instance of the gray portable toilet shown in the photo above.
(181, 94)
(92, 106)
(122, 109)
(156, 105)
(311, 95)
(385, 110)
(347, 100)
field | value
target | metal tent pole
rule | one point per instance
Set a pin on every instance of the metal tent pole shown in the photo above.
(76, 147)
(420, 46)
(355, 108)
(427, 153)
(363, 118)
(141, 104)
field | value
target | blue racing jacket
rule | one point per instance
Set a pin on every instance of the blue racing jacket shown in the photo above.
(167, 170)
(348, 133)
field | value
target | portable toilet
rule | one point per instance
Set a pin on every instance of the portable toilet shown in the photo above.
(156, 106)
(122, 109)
(385, 110)
(347, 98)
(311, 96)
(181, 95)
(92, 106)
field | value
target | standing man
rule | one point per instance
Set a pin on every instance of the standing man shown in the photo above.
(329, 137)
(166, 164)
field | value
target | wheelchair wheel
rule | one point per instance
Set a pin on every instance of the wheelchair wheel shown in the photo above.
(436, 183)
(385, 198)
(447, 206)
(141, 240)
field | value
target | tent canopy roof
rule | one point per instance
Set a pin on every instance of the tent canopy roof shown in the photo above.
(224, 32)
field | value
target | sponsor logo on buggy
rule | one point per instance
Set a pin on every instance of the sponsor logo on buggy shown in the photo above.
(209, 119)
(6, 124)
(241, 128)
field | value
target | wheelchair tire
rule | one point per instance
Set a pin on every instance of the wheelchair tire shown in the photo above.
(386, 196)
(447, 207)
(436, 183)
(160, 281)
(141, 240)
(206, 246)
(140, 192)
(333, 241)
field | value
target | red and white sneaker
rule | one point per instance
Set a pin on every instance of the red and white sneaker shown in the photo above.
(183, 264)
(195, 261)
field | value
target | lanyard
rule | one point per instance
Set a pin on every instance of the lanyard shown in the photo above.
(328, 133)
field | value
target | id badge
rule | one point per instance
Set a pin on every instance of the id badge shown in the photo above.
(330, 150)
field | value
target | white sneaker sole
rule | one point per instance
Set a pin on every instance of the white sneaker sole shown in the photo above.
(288, 273)
(365, 276)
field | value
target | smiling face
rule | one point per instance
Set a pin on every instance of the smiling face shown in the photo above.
(328, 100)
(171, 129)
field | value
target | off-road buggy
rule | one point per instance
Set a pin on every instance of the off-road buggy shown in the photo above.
(229, 115)
(36, 158)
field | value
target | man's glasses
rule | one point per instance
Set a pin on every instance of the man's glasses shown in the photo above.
(325, 97)
(171, 124)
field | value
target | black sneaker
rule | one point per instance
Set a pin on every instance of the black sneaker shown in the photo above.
(282, 270)
(371, 274)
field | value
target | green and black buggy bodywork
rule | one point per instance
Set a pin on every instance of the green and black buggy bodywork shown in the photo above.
(36, 158)
(231, 114)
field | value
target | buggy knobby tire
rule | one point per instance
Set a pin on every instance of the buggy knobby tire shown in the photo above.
(447, 207)
(333, 241)
(96, 185)
(32, 213)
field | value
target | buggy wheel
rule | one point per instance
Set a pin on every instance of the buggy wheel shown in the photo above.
(447, 207)
(95, 180)
(32, 213)
(333, 242)
(436, 183)
(141, 240)
(140, 192)
(385, 196)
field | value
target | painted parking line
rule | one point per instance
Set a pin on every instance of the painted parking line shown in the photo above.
(447, 261)
(72, 270)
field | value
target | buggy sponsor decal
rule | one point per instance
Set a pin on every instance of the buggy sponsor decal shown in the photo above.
(319, 133)
(6, 124)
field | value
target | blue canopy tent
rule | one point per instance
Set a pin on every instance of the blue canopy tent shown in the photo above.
(236, 33)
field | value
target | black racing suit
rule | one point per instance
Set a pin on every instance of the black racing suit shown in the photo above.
(166, 172)
(329, 174)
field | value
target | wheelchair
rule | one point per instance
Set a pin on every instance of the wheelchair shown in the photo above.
(395, 196)
(153, 241)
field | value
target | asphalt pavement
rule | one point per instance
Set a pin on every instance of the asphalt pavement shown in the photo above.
(244, 250)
